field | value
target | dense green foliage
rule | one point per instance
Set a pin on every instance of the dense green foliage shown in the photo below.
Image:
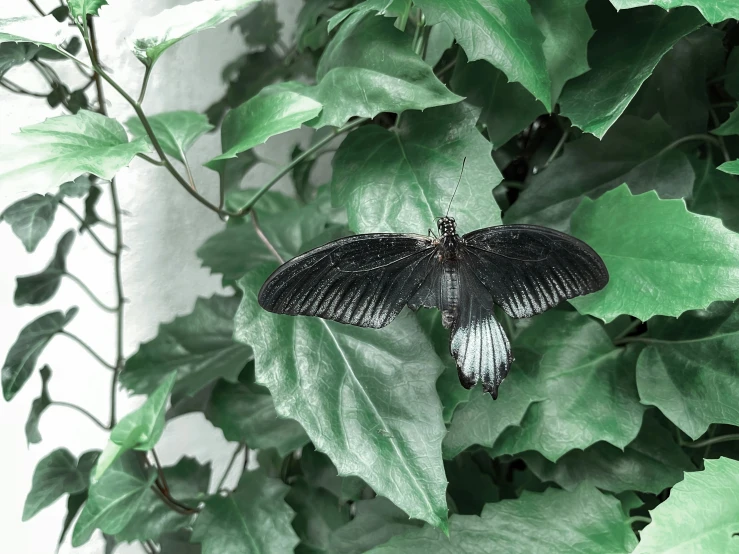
(613, 120)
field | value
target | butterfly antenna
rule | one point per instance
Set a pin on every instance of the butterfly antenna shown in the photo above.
(455, 188)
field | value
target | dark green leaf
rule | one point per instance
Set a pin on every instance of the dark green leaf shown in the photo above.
(178, 543)
(622, 56)
(15, 53)
(260, 26)
(318, 514)
(469, 488)
(77, 188)
(40, 287)
(56, 475)
(555, 522)
(232, 171)
(23, 355)
(662, 259)
(351, 389)
(715, 193)
(440, 40)
(300, 174)
(91, 216)
(198, 346)
(731, 82)
(74, 505)
(31, 218)
(320, 472)
(33, 436)
(175, 131)
(714, 11)
(402, 180)
(730, 126)
(252, 520)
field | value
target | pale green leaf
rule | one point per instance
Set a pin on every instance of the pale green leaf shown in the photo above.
(387, 8)
(31, 218)
(715, 11)
(43, 31)
(175, 131)
(732, 167)
(79, 9)
(55, 475)
(40, 287)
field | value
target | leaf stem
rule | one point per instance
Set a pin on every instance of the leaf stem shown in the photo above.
(160, 472)
(557, 149)
(231, 463)
(150, 160)
(17, 89)
(629, 328)
(264, 238)
(81, 410)
(84, 345)
(689, 138)
(634, 519)
(88, 228)
(721, 143)
(188, 170)
(91, 294)
(144, 83)
(712, 440)
(38, 8)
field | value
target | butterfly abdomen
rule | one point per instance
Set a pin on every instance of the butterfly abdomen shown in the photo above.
(449, 292)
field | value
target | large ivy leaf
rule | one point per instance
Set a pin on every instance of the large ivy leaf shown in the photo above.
(55, 475)
(23, 355)
(42, 31)
(569, 388)
(114, 499)
(715, 11)
(622, 56)
(31, 218)
(82, 8)
(633, 152)
(15, 53)
(715, 193)
(501, 32)
(699, 515)
(252, 520)
(688, 369)
(188, 482)
(175, 131)
(198, 346)
(650, 463)
(662, 259)
(555, 522)
(271, 112)
(352, 390)
(153, 35)
(40, 287)
(62, 148)
(38, 406)
(401, 180)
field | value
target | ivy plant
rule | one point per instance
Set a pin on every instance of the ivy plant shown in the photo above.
(616, 121)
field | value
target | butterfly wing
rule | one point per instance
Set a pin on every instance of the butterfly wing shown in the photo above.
(363, 280)
(528, 269)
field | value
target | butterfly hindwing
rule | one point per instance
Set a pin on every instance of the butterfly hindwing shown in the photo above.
(528, 269)
(363, 280)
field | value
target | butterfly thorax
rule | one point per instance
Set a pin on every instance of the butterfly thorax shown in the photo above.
(450, 241)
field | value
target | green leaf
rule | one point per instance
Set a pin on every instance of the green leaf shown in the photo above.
(74, 505)
(178, 543)
(662, 259)
(622, 56)
(43, 31)
(699, 515)
(633, 152)
(350, 389)
(188, 482)
(114, 499)
(469, 487)
(317, 514)
(139, 430)
(232, 171)
(31, 218)
(62, 148)
(271, 112)
(730, 126)
(33, 436)
(554, 522)
(77, 188)
(388, 8)
(198, 346)
(91, 217)
(440, 40)
(566, 28)
(715, 193)
(687, 369)
(651, 463)
(320, 472)
(40, 287)
(56, 475)
(15, 53)
(300, 174)
(715, 11)
(375, 522)
(23, 355)
(370, 67)
(401, 180)
(245, 412)
(175, 131)
(731, 82)
(79, 9)
(260, 26)
(153, 35)
(732, 167)
(507, 108)
(500, 32)
(568, 388)
(252, 520)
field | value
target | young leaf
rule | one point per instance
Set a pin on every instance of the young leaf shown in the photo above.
(40, 287)
(350, 389)
(114, 499)
(198, 346)
(15, 53)
(500, 32)
(714, 11)
(569, 388)
(687, 368)
(37, 408)
(23, 355)
(79, 9)
(153, 35)
(55, 475)
(77, 188)
(622, 56)
(699, 515)
(62, 148)
(43, 31)
(254, 518)
(260, 26)
(662, 259)
(175, 131)
(554, 522)
(401, 180)
(732, 167)
(31, 218)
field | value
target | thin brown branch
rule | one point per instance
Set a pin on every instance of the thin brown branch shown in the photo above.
(37, 7)
(264, 238)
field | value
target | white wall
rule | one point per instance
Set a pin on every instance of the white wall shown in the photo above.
(162, 276)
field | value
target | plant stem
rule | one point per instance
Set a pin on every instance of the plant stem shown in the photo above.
(264, 238)
(635, 519)
(231, 464)
(81, 410)
(403, 18)
(144, 83)
(712, 440)
(87, 227)
(17, 89)
(188, 170)
(38, 8)
(150, 160)
(633, 325)
(721, 143)
(702, 136)
(160, 472)
(91, 294)
(84, 345)
(446, 68)
(557, 149)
